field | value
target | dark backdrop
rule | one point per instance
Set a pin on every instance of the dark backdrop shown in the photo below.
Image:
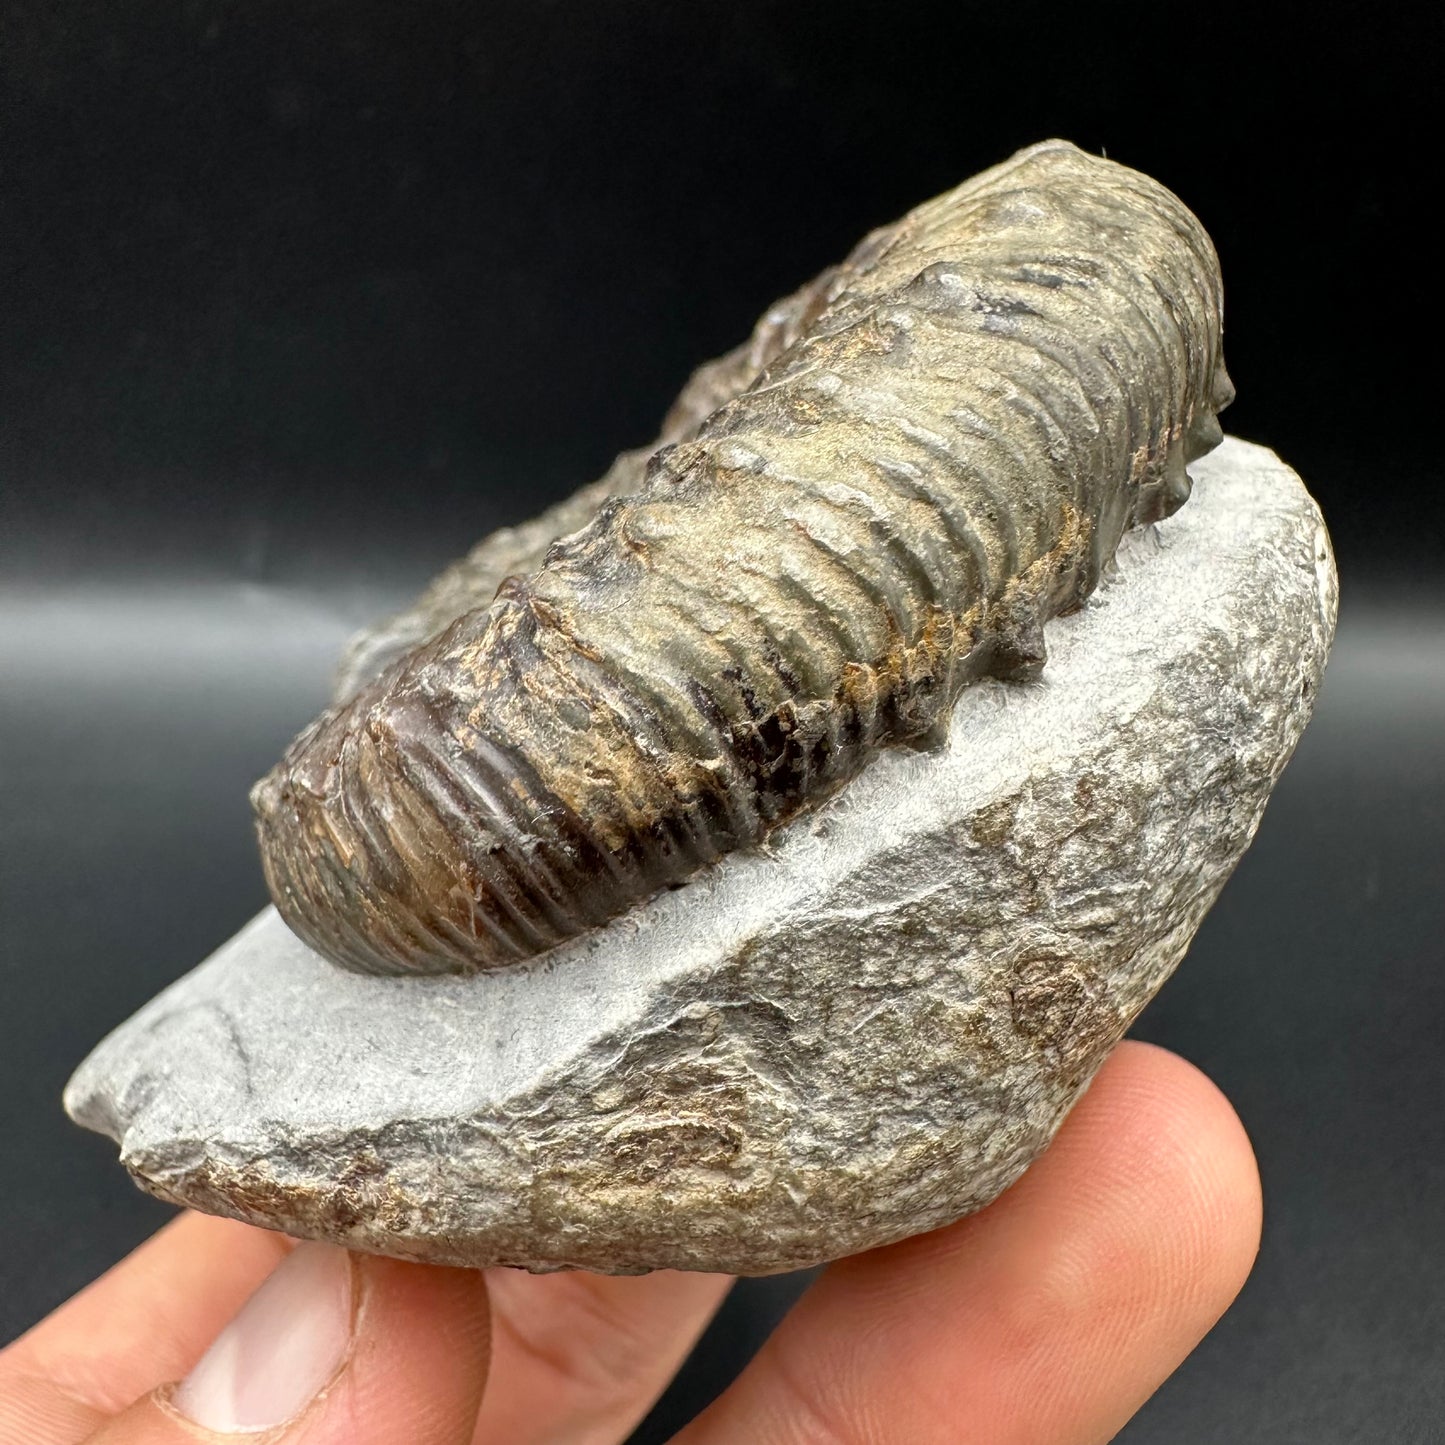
(301, 298)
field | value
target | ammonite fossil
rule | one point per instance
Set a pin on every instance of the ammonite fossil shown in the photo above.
(915, 462)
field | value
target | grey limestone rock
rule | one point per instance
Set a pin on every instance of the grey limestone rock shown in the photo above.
(862, 1031)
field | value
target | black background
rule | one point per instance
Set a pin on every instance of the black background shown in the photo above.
(300, 299)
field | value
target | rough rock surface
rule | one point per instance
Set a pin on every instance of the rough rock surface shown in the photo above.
(860, 1033)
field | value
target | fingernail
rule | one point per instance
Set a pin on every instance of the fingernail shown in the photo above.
(277, 1355)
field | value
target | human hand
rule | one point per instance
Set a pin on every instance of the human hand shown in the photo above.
(1047, 1319)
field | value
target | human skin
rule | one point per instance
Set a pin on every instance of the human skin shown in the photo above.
(1046, 1319)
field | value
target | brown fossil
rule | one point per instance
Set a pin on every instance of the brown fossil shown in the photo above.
(916, 461)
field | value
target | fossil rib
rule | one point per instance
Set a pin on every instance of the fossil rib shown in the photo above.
(938, 449)
(472, 581)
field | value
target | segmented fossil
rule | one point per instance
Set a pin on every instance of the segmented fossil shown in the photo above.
(915, 462)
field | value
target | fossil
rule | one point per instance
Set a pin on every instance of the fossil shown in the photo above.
(915, 462)
(861, 1032)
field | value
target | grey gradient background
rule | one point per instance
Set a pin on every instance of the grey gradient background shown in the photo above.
(299, 300)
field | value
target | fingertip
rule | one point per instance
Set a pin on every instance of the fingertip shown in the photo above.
(1123, 1246)
(420, 1361)
(1156, 1130)
(435, 1306)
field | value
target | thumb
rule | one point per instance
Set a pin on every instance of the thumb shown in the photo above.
(332, 1349)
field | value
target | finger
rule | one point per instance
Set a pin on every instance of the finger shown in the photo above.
(144, 1321)
(582, 1357)
(333, 1349)
(1045, 1320)
(576, 1353)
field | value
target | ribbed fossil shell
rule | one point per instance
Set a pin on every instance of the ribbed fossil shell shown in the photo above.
(915, 462)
